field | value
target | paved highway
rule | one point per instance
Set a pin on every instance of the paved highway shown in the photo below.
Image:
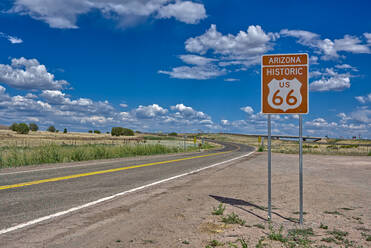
(29, 194)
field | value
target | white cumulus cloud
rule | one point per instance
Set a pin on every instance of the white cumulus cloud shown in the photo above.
(187, 12)
(331, 81)
(195, 72)
(64, 13)
(364, 99)
(249, 110)
(328, 48)
(29, 74)
(150, 111)
(254, 42)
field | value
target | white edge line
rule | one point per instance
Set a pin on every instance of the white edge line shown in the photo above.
(35, 221)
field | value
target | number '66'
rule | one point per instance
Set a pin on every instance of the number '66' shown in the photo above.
(290, 100)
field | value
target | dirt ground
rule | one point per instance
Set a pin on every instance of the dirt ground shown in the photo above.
(337, 195)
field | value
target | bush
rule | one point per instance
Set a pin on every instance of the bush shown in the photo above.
(118, 131)
(33, 127)
(51, 129)
(173, 134)
(13, 127)
(65, 130)
(97, 131)
(90, 131)
(22, 128)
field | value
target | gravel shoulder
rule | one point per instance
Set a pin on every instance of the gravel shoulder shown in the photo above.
(337, 194)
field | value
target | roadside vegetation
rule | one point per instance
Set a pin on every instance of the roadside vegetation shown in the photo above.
(276, 235)
(20, 156)
(24, 144)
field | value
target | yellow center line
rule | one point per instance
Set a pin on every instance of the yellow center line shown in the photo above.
(55, 179)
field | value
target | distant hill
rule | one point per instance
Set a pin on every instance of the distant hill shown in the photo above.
(3, 127)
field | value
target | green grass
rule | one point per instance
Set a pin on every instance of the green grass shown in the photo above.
(215, 243)
(301, 232)
(277, 236)
(329, 240)
(338, 234)
(366, 236)
(322, 226)
(243, 243)
(260, 243)
(233, 219)
(20, 156)
(219, 210)
(158, 138)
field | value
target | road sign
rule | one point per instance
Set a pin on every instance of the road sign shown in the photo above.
(285, 84)
(285, 91)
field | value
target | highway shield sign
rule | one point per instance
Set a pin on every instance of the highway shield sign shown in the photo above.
(285, 84)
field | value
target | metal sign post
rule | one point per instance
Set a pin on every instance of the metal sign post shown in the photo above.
(269, 170)
(301, 167)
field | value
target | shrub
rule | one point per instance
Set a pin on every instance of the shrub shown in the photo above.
(13, 127)
(65, 130)
(51, 129)
(173, 134)
(90, 131)
(33, 127)
(219, 210)
(97, 131)
(128, 132)
(22, 128)
(118, 131)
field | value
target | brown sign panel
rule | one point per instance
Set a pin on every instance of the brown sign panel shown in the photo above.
(285, 84)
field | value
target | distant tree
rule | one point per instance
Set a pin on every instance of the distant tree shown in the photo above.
(65, 130)
(97, 131)
(57, 131)
(51, 129)
(118, 131)
(138, 131)
(33, 127)
(128, 132)
(107, 132)
(22, 128)
(90, 131)
(13, 127)
(173, 134)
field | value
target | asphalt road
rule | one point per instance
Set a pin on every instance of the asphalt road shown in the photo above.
(54, 189)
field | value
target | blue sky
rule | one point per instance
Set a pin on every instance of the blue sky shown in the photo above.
(162, 65)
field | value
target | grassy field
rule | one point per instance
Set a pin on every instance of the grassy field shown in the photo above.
(45, 147)
(324, 146)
